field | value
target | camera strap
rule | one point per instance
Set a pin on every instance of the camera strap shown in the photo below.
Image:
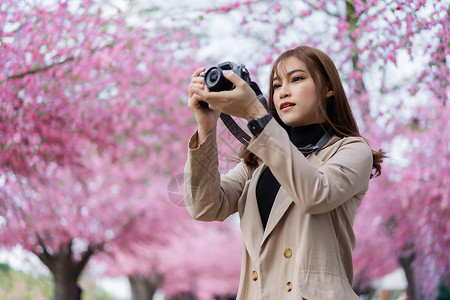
(233, 127)
(323, 140)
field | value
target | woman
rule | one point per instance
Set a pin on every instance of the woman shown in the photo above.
(296, 207)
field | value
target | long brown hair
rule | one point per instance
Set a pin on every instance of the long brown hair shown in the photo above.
(335, 109)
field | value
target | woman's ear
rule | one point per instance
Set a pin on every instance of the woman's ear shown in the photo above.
(329, 94)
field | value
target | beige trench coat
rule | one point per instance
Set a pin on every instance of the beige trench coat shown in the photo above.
(305, 252)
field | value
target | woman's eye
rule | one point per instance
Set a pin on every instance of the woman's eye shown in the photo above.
(275, 86)
(297, 78)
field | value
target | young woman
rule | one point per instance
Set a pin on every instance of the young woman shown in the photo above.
(296, 202)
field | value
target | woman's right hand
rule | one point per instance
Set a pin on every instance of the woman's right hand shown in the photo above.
(206, 118)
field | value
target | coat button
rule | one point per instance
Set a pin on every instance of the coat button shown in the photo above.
(254, 275)
(287, 252)
(289, 286)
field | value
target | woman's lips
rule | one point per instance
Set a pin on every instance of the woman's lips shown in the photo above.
(286, 106)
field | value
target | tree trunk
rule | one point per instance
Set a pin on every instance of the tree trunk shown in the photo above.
(360, 89)
(65, 287)
(406, 263)
(65, 269)
(143, 288)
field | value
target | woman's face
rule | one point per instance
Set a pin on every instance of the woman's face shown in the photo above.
(295, 97)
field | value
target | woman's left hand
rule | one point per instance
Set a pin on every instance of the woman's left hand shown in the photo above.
(240, 101)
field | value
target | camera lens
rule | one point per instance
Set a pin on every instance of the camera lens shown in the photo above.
(213, 77)
(215, 80)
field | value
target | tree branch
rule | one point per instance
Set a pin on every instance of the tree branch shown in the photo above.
(40, 69)
(79, 267)
(45, 257)
(312, 6)
(45, 68)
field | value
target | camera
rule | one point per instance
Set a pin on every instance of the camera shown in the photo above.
(215, 80)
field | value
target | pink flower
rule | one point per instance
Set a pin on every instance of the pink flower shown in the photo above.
(413, 90)
(224, 9)
(306, 13)
(391, 57)
(356, 75)
(320, 5)
(17, 138)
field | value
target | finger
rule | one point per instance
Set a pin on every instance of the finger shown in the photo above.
(199, 90)
(196, 85)
(196, 98)
(194, 101)
(197, 72)
(233, 77)
(198, 79)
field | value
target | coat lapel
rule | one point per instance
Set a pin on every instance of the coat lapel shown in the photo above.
(283, 202)
(251, 225)
(279, 208)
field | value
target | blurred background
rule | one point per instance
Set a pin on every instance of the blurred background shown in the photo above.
(94, 128)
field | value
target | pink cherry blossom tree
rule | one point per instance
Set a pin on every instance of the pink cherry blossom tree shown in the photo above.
(200, 260)
(211, 265)
(410, 204)
(87, 106)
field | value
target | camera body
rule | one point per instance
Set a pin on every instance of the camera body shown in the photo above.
(215, 80)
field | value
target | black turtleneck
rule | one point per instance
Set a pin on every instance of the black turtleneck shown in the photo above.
(268, 186)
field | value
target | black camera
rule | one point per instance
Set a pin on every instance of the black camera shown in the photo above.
(215, 80)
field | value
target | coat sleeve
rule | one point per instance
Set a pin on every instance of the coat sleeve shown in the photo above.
(315, 190)
(209, 196)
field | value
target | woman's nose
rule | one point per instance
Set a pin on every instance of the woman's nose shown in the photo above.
(284, 92)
